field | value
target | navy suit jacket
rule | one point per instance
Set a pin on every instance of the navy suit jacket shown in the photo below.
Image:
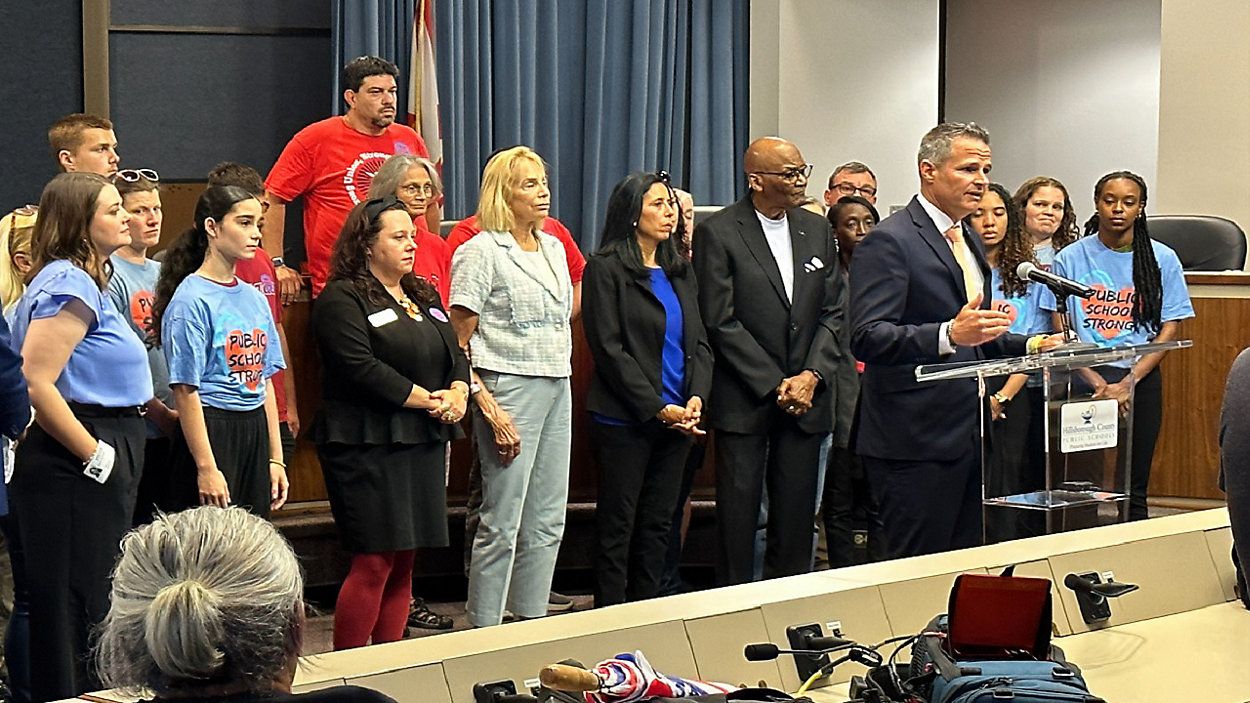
(14, 399)
(759, 337)
(905, 282)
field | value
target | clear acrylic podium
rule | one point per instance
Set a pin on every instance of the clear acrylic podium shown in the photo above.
(1083, 478)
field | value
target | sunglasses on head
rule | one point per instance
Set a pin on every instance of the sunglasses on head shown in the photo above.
(23, 217)
(131, 175)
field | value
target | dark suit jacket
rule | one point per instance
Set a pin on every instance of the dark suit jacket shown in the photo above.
(624, 324)
(14, 400)
(368, 369)
(905, 282)
(757, 336)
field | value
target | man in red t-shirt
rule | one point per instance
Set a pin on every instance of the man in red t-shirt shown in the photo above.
(260, 273)
(331, 163)
(467, 228)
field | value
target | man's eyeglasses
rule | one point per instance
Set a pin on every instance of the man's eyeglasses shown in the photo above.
(132, 175)
(790, 175)
(851, 189)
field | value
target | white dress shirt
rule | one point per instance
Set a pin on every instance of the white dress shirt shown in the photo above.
(777, 233)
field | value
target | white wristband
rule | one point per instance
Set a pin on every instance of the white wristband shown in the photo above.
(100, 465)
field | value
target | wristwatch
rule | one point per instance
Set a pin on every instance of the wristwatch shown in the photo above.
(475, 388)
(1001, 397)
(278, 262)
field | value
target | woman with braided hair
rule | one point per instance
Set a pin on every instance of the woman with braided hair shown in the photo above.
(1140, 296)
(1048, 217)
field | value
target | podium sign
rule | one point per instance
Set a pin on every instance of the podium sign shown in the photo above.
(1079, 476)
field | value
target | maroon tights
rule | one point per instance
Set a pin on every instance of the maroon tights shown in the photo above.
(373, 602)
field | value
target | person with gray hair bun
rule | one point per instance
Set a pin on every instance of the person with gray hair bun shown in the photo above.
(208, 603)
(415, 182)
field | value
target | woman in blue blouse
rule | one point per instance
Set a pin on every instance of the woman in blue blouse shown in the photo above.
(76, 472)
(1140, 297)
(653, 367)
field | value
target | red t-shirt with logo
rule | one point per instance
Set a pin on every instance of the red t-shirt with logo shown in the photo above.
(467, 228)
(258, 272)
(432, 261)
(332, 165)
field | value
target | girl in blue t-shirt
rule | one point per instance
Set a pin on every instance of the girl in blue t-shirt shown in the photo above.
(1018, 455)
(222, 347)
(1140, 297)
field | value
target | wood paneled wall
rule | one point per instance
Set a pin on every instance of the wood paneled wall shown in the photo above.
(1187, 459)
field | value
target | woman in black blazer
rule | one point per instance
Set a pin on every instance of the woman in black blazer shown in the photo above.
(653, 367)
(395, 384)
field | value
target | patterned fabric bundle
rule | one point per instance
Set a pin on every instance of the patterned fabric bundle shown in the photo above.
(630, 677)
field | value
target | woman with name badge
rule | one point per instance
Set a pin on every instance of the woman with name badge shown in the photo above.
(1140, 295)
(222, 347)
(77, 471)
(1049, 220)
(395, 386)
(1018, 455)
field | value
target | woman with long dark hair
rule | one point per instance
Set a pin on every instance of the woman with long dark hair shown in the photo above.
(395, 385)
(222, 349)
(653, 367)
(1018, 454)
(1047, 217)
(76, 472)
(1140, 297)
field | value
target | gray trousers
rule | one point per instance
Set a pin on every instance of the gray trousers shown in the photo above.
(523, 504)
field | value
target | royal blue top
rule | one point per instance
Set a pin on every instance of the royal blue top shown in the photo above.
(672, 355)
(673, 358)
(109, 367)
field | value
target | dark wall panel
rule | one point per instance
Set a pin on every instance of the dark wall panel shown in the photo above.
(184, 102)
(40, 81)
(223, 13)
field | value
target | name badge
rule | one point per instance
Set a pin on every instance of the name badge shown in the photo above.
(383, 317)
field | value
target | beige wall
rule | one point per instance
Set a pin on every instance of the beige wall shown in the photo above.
(853, 79)
(1204, 109)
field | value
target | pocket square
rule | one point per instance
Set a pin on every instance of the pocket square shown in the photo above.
(813, 264)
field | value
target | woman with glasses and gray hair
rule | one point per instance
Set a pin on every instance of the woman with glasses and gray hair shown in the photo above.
(653, 367)
(208, 604)
(415, 182)
(512, 300)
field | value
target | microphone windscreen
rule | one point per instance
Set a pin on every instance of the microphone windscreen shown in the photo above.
(761, 652)
(1024, 269)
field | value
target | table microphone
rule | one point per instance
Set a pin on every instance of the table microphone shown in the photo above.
(767, 651)
(1060, 285)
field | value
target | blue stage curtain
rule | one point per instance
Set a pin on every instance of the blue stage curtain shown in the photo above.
(599, 88)
(371, 28)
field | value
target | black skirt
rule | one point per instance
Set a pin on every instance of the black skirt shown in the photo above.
(240, 444)
(387, 497)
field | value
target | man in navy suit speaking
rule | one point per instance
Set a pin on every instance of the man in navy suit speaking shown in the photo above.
(920, 289)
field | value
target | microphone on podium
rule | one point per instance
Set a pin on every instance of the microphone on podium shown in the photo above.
(1058, 284)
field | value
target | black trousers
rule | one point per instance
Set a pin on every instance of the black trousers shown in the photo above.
(671, 582)
(154, 484)
(928, 506)
(786, 460)
(17, 632)
(71, 530)
(1147, 420)
(640, 472)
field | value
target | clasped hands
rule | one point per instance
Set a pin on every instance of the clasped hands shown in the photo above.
(795, 393)
(448, 405)
(683, 419)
